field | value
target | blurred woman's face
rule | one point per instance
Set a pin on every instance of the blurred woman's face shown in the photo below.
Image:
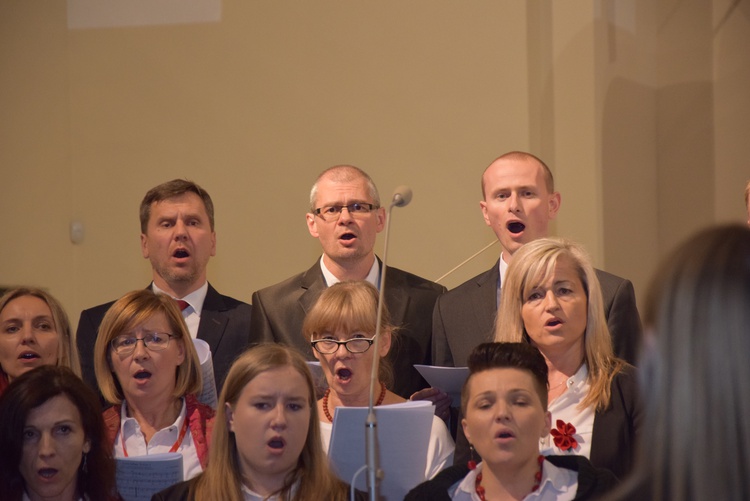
(28, 337)
(504, 416)
(148, 372)
(270, 422)
(54, 443)
(555, 311)
(347, 373)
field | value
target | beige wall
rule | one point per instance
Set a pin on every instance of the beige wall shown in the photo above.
(640, 108)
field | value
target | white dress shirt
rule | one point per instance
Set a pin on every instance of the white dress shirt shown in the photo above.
(162, 441)
(557, 484)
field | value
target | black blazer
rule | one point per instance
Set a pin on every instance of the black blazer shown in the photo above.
(616, 429)
(592, 482)
(280, 309)
(465, 317)
(224, 325)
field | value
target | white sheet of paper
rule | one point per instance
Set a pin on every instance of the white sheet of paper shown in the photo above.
(140, 477)
(403, 435)
(208, 394)
(448, 379)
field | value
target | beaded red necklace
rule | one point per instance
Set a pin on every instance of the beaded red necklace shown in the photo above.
(328, 392)
(537, 479)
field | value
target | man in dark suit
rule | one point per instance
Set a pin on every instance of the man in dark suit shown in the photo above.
(346, 216)
(178, 238)
(519, 202)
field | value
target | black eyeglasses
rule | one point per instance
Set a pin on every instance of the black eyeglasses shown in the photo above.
(354, 345)
(333, 212)
(154, 341)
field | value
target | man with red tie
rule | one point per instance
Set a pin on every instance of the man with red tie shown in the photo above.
(178, 238)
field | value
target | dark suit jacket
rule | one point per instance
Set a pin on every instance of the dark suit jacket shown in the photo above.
(279, 311)
(224, 325)
(465, 317)
(616, 429)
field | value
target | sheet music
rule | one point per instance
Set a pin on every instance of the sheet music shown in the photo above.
(403, 434)
(208, 394)
(448, 379)
(140, 477)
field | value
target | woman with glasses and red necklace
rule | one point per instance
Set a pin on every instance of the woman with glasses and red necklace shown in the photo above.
(341, 328)
(146, 365)
(504, 401)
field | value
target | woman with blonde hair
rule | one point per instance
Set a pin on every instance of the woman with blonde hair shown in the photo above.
(266, 442)
(34, 331)
(146, 365)
(551, 298)
(341, 328)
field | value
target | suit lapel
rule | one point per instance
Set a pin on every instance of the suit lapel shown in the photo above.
(396, 297)
(484, 304)
(213, 319)
(313, 283)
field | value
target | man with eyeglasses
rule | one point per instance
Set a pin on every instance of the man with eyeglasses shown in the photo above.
(345, 216)
(178, 238)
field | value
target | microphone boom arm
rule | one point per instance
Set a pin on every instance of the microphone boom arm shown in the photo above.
(401, 197)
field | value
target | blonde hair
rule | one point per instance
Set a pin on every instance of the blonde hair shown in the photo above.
(534, 263)
(67, 352)
(131, 310)
(350, 306)
(222, 480)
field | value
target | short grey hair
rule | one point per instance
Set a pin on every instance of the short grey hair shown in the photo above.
(345, 174)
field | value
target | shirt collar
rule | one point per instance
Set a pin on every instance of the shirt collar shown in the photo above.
(503, 269)
(555, 480)
(195, 299)
(373, 276)
(251, 495)
(132, 424)
(580, 377)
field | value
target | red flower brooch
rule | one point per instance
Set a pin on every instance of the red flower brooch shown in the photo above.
(563, 435)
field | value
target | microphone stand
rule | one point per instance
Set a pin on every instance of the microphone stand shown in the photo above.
(401, 197)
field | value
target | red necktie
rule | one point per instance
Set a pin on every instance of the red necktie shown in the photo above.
(182, 304)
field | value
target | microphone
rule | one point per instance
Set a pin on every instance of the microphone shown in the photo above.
(401, 197)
